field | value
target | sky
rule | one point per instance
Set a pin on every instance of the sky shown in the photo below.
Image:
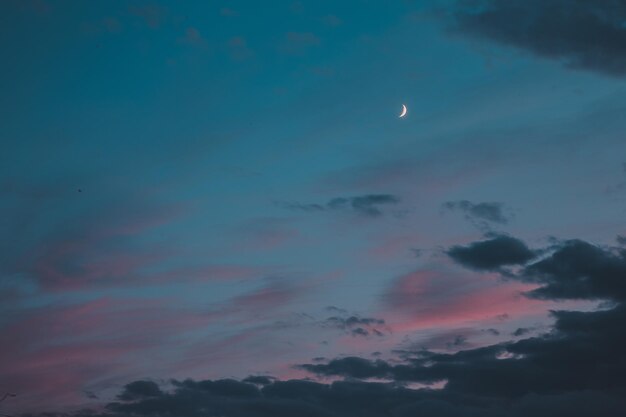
(212, 208)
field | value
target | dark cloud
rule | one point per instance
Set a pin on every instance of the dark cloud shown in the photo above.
(367, 205)
(492, 254)
(493, 212)
(359, 331)
(447, 340)
(358, 326)
(579, 270)
(586, 34)
(259, 380)
(521, 331)
(350, 399)
(584, 352)
(582, 355)
(139, 390)
(91, 395)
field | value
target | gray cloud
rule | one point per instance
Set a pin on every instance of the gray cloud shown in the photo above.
(579, 270)
(492, 254)
(367, 205)
(493, 212)
(358, 326)
(585, 34)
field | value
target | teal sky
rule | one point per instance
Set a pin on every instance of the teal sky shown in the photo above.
(200, 189)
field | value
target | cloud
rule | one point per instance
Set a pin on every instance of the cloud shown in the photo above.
(367, 205)
(492, 212)
(259, 380)
(579, 270)
(585, 34)
(580, 346)
(358, 326)
(492, 254)
(55, 353)
(448, 340)
(431, 299)
(96, 246)
(231, 398)
(521, 331)
(576, 369)
(139, 390)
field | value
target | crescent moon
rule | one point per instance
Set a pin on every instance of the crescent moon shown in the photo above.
(403, 111)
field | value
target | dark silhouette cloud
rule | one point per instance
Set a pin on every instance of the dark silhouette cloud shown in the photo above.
(586, 34)
(582, 345)
(579, 270)
(492, 254)
(493, 212)
(259, 380)
(368, 205)
(140, 389)
(582, 355)
(576, 369)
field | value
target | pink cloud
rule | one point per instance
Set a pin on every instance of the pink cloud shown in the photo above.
(99, 251)
(424, 299)
(54, 353)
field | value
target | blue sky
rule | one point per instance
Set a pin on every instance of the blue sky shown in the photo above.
(201, 189)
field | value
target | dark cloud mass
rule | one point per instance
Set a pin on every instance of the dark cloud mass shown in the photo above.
(139, 390)
(579, 270)
(577, 369)
(582, 357)
(488, 211)
(368, 205)
(492, 253)
(587, 34)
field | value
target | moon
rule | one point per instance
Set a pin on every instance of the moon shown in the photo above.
(403, 111)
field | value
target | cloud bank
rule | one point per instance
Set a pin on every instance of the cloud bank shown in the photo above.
(576, 369)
